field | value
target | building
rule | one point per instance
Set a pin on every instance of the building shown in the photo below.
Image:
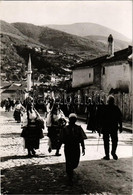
(108, 74)
(14, 91)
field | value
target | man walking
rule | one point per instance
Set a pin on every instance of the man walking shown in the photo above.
(111, 118)
(72, 136)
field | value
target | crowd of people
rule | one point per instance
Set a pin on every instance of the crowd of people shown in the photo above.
(8, 104)
(103, 118)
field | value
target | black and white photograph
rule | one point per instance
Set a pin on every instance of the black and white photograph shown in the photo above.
(66, 97)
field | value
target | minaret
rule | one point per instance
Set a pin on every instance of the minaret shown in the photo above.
(29, 72)
(110, 46)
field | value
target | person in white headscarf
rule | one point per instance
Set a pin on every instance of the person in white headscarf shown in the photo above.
(32, 133)
(18, 110)
(55, 122)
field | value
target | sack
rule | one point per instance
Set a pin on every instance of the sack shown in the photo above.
(24, 132)
(40, 123)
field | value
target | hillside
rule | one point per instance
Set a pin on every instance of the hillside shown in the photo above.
(59, 40)
(9, 28)
(68, 42)
(72, 44)
(10, 58)
(14, 60)
(29, 30)
(21, 38)
(86, 29)
(52, 51)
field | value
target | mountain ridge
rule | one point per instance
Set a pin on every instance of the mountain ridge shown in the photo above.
(20, 39)
(88, 28)
(55, 37)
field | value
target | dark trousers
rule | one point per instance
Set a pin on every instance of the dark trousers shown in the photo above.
(72, 155)
(114, 139)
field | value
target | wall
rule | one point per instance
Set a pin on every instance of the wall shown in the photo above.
(97, 77)
(81, 77)
(123, 101)
(116, 76)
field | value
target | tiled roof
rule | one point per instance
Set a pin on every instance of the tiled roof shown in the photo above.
(119, 55)
(15, 87)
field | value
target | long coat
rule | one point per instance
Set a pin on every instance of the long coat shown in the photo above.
(72, 137)
(111, 118)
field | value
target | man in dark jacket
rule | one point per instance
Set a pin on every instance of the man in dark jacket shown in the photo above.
(111, 122)
(72, 136)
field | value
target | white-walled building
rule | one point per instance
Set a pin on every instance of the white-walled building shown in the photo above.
(82, 76)
(105, 73)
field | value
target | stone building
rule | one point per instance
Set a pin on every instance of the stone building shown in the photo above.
(109, 74)
(106, 74)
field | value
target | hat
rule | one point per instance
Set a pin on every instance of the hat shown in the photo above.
(72, 115)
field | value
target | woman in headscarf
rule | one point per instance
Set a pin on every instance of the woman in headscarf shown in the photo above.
(33, 132)
(18, 111)
(56, 122)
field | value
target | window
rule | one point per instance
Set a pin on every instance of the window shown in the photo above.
(103, 70)
(89, 75)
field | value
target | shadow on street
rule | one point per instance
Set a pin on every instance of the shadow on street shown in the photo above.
(96, 176)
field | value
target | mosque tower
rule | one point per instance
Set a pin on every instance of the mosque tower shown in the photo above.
(29, 72)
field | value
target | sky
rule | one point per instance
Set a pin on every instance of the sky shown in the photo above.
(116, 15)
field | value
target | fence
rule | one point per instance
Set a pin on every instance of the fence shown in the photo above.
(122, 100)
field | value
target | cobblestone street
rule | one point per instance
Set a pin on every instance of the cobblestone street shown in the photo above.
(46, 172)
(66, 97)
